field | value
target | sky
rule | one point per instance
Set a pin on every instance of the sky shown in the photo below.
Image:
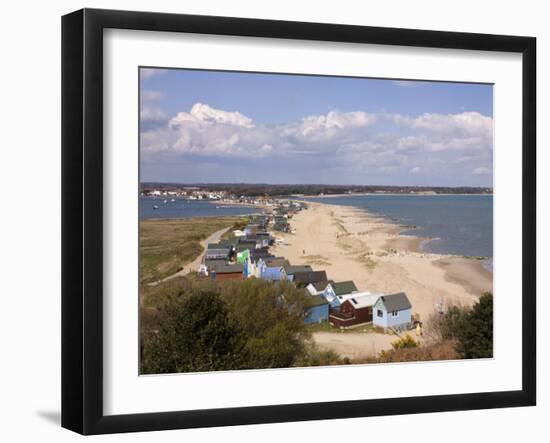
(233, 127)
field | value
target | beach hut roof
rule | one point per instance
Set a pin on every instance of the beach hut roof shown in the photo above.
(396, 302)
(344, 287)
(227, 268)
(293, 269)
(219, 245)
(321, 285)
(213, 262)
(309, 277)
(362, 301)
(276, 261)
(315, 300)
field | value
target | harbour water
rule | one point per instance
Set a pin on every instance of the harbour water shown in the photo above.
(454, 224)
(185, 208)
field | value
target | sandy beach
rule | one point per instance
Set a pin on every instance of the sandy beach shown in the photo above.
(351, 244)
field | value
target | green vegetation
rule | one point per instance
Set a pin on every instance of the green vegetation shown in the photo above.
(202, 325)
(458, 333)
(165, 245)
(238, 225)
(367, 261)
(444, 350)
(315, 259)
(405, 342)
(321, 357)
(471, 329)
(475, 337)
(195, 335)
(192, 324)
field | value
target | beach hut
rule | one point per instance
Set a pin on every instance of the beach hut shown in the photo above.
(335, 289)
(228, 271)
(258, 254)
(217, 251)
(261, 240)
(317, 288)
(213, 263)
(354, 311)
(243, 256)
(316, 310)
(336, 301)
(271, 268)
(243, 243)
(302, 279)
(289, 271)
(393, 311)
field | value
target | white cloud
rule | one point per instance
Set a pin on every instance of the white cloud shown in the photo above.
(360, 141)
(335, 120)
(407, 83)
(150, 95)
(204, 114)
(152, 114)
(482, 170)
(147, 73)
(469, 123)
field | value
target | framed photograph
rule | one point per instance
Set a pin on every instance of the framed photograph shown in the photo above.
(269, 221)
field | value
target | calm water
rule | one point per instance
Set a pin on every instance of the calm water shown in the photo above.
(182, 208)
(458, 224)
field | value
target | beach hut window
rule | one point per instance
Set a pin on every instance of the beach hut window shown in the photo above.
(379, 313)
(395, 313)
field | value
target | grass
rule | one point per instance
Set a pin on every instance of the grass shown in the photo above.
(340, 225)
(316, 260)
(367, 261)
(238, 225)
(166, 245)
(344, 243)
(155, 297)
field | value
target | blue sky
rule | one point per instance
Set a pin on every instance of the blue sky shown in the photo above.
(211, 126)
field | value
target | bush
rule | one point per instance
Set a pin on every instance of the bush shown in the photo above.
(195, 335)
(475, 337)
(445, 326)
(405, 342)
(470, 328)
(444, 350)
(205, 326)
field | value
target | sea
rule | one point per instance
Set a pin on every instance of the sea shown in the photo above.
(453, 224)
(185, 208)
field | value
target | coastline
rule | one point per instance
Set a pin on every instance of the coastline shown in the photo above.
(352, 244)
(417, 194)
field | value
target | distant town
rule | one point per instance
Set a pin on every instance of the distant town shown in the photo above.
(244, 191)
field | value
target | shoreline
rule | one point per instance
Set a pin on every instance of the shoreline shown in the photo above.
(351, 243)
(374, 194)
(410, 242)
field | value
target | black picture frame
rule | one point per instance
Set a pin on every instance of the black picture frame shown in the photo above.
(82, 219)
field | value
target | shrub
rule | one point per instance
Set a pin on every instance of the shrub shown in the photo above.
(471, 329)
(195, 335)
(444, 350)
(203, 325)
(405, 342)
(445, 326)
(475, 337)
